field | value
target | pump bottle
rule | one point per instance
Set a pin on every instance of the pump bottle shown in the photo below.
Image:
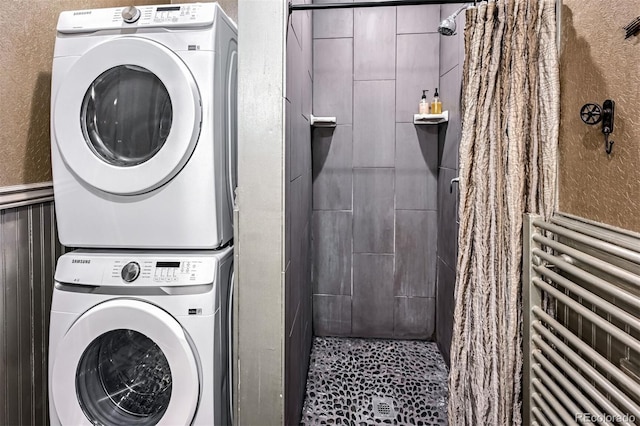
(436, 105)
(424, 106)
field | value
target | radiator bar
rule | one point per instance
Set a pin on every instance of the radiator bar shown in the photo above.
(559, 393)
(587, 351)
(590, 315)
(586, 405)
(548, 412)
(539, 416)
(587, 259)
(600, 231)
(617, 292)
(549, 396)
(590, 371)
(592, 298)
(612, 249)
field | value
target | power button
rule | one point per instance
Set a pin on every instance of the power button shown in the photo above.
(130, 272)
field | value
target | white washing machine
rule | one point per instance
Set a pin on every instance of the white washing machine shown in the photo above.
(143, 127)
(141, 339)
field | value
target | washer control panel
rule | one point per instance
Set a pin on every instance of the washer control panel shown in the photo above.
(186, 15)
(140, 269)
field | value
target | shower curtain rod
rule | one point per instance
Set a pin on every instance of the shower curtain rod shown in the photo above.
(320, 6)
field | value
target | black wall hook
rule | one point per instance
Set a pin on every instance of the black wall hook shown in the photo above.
(593, 114)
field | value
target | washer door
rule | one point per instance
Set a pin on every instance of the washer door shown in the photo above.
(125, 362)
(127, 116)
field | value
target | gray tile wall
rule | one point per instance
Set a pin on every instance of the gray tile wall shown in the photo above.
(451, 64)
(30, 248)
(298, 199)
(374, 228)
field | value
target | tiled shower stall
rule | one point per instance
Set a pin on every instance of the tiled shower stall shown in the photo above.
(382, 222)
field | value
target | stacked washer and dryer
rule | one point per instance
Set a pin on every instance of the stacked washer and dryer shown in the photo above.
(143, 148)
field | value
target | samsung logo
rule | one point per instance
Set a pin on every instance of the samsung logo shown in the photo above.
(80, 261)
(82, 12)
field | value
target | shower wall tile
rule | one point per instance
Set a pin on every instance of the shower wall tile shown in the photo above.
(417, 69)
(333, 78)
(446, 305)
(306, 107)
(416, 166)
(373, 125)
(414, 317)
(375, 199)
(332, 248)
(333, 23)
(374, 38)
(298, 224)
(418, 19)
(447, 217)
(331, 315)
(373, 213)
(307, 46)
(300, 145)
(372, 303)
(451, 64)
(294, 75)
(451, 88)
(416, 244)
(332, 168)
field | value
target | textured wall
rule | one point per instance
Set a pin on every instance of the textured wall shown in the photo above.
(375, 175)
(597, 63)
(29, 248)
(297, 212)
(451, 63)
(26, 52)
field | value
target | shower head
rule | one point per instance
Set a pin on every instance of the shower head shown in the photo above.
(448, 26)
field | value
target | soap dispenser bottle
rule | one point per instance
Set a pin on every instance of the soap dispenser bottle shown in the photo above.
(436, 105)
(423, 108)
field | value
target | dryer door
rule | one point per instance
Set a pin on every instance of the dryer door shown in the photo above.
(127, 116)
(125, 362)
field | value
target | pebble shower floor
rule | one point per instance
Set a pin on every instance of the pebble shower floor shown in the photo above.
(359, 382)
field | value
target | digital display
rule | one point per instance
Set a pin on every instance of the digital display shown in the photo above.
(167, 264)
(168, 9)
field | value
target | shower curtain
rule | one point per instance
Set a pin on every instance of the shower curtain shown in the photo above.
(510, 103)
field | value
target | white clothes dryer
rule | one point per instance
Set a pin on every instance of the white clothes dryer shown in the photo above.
(143, 127)
(141, 339)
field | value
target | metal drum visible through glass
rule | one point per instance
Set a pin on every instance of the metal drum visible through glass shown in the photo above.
(123, 378)
(126, 115)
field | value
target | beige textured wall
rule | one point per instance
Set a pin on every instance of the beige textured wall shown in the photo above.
(26, 49)
(597, 63)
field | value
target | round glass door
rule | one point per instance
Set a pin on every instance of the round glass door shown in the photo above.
(126, 115)
(125, 362)
(123, 377)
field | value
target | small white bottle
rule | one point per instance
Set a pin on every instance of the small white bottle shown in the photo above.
(424, 106)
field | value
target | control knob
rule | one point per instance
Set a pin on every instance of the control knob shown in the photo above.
(130, 14)
(130, 272)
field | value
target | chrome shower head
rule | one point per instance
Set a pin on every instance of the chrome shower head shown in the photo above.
(448, 26)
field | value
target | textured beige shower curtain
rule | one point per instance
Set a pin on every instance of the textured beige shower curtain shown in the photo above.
(510, 102)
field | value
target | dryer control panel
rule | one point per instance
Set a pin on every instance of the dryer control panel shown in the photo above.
(186, 15)
(135, 269)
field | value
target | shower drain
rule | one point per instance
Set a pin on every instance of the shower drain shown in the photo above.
(383, 408)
